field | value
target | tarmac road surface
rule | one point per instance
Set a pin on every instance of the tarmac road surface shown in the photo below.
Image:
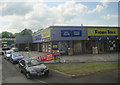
(11, 74)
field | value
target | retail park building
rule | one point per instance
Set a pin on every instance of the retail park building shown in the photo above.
(74, 39)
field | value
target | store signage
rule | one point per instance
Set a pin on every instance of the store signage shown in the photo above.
(71, 33)
(46, 34)
(55, 45)
(38, 37)
(47, 57)
(102, 32)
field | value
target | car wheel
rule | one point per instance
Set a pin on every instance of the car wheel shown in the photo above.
(2, 53)
(28, 75)
(7, 59)
(12, 61)
(47, 74)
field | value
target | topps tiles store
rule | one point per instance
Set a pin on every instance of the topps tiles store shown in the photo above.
(104, 38)
(65, 39)
(72, 40)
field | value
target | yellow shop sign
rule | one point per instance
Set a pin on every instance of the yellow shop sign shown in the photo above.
(102, 32)
(46, 33)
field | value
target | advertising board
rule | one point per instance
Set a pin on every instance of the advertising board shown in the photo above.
(46, 34)
(47, 57)
(71, 33)
(102, 32)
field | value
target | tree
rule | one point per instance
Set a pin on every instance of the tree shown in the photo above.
(6, 34)
(16, 34)
(26, 32)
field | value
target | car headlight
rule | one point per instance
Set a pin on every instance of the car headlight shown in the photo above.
(46, 68)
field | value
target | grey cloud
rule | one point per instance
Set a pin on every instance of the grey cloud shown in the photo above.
(16, 8)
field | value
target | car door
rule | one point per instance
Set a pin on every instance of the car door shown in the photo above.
(22, 66)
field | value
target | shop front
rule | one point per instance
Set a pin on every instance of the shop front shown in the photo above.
(104, 38)
(68, 39)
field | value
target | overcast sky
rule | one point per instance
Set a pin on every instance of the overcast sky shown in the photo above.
(16, 15)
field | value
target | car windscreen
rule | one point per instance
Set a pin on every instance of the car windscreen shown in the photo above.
(16, 55)
(33, 62)
(9, 52)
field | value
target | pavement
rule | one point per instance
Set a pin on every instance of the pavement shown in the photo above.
(81, 58)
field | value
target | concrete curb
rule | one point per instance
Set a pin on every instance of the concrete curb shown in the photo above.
(82, 62)
(69, 76)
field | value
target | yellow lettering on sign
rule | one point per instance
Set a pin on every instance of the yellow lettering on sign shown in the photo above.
(45, 33)
(5, 45)
(102, 31)
(55, 46)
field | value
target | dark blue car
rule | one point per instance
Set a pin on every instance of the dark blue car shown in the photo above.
(16, 57)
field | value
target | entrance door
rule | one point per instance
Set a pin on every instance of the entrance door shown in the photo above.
(77, 47)
(101, 47)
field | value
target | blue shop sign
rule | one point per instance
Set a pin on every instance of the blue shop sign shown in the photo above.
(38, 37)
(71, 33)
(76, 33)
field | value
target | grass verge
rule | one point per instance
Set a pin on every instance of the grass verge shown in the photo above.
(83, 69)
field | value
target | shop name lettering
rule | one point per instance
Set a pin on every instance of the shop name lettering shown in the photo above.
(47, 34)
(105, 32)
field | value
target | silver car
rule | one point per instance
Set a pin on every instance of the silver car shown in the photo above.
(8, 54)
(15, 49)
(31, 67)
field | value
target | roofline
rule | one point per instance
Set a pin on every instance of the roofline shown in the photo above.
(84, 26)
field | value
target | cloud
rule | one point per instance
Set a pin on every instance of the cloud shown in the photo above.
(15, 8)
(105, 3)
(20, 15)
(109, 16)
(99, 8)
(60, 14)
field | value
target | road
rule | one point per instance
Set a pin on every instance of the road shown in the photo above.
(11, 74)
(0, 69)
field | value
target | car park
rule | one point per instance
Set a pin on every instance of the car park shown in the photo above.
(8, 54)
(15, 57)
(31, 67)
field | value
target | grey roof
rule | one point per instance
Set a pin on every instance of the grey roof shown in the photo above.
(83, 27)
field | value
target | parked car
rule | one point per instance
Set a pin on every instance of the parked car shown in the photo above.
(6, 48)
(8, 54)
(15, 49)
(16, 57)
(32, 67)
